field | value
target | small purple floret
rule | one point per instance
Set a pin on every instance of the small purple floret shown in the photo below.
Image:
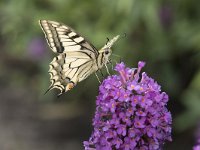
(197, 147)
(131, 113)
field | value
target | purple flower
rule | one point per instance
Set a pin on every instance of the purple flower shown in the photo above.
(197, 147)
(131, 113)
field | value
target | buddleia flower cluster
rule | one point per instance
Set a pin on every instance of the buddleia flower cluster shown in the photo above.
(131, 113)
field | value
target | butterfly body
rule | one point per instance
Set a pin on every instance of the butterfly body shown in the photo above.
(76, 59)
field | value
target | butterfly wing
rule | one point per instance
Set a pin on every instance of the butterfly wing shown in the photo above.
(69, 68)
(76, 59)
(62, 38)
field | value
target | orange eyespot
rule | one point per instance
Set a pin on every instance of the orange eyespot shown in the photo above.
(69, 86)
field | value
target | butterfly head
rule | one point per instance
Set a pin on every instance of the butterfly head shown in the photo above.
(107, 47)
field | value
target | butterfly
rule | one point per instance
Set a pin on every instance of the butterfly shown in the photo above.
(76, 57)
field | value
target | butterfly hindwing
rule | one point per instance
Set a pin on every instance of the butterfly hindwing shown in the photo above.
(66, 70)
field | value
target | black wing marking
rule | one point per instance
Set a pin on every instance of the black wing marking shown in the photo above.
(62, 38)
(66, 70)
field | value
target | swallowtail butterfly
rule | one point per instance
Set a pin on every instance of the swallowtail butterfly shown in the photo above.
(76, 57)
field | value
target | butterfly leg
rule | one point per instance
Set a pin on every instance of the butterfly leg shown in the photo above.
(107, 69)
(97, 77)
(101, 73)
(110, 62)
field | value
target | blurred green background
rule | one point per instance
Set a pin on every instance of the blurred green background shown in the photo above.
(165, 34)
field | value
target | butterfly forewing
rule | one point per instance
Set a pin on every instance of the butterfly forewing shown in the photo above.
(62, 38)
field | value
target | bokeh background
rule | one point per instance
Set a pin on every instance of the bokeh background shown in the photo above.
(165, 34)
